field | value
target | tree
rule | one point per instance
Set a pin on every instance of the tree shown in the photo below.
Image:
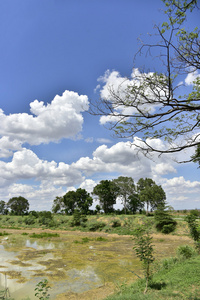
(144, 250)
(79, 200)
(194, 229)
(126, 188)
(150, 193)
(107, 191)
(84, 200)
(18, 205)
(164, 221)
(158, 105)
(3, 208)
(134, 203)
(58, 205)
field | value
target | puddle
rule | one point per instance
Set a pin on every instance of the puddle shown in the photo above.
(69, 265)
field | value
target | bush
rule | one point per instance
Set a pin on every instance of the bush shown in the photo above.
(116, 223)
(168, 228)
(186, 251)
(164, 221)
(29, 220)
(96, 225)
(78, 219)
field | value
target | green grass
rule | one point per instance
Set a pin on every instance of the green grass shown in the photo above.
(44, 235)
(180, 281)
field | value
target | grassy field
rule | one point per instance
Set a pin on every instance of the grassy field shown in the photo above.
(173, 277)
(178, 281)
(120, 224)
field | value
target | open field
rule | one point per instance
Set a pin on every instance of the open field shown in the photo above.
(74, 254)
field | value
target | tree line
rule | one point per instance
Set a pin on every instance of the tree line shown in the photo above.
(133, 197)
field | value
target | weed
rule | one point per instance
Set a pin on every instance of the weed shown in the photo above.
(186, 251)
(101, 239)
(42, 290)
(44, 235)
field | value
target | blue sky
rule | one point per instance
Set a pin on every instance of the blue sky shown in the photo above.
(52, 56)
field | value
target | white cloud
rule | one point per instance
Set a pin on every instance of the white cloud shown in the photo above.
(191, 77)
(163, 168)
(61, 118)
(104, 141)
(116, 86)
(26, 165)
(7, 146)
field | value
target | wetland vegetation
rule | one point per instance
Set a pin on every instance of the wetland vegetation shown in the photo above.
(82, 261)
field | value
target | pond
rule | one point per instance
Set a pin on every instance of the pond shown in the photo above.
(73, 263)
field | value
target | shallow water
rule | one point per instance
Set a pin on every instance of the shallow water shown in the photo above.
(68, 263)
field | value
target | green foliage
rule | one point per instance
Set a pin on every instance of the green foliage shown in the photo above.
(116, 223)
(194, 230)
(163, 220)
(18, 205)
(144, 250)
(44, 235)
(77, 200)
(94, 226)
(4, 233)
(30, 220)
(42, 289)
(150, 193)
(186, 251)
(3, 208)
(126, 188)
(107, 191)
(78, 219)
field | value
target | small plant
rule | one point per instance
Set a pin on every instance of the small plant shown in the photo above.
(194, 231)
(116, 223)
(101, 239)
(44, 235)
(164, 221)
(78, 219)
(4, 233)
(96, 225)
(186, 251)
(144, 250)
(30, 220)
(42, 289)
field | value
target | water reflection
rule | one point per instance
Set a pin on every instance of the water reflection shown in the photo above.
(27, 261)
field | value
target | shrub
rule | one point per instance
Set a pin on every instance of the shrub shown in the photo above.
(78, 219)
(96, 225)
(29, 220)
(168, 228)
(116, 223)
(186, 251)
(164, 221)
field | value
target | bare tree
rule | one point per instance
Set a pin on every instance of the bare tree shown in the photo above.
(152, 105)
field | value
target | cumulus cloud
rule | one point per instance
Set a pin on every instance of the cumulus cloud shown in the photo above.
(62, 118)
(115, 84)
(26, 165)
(191, 77)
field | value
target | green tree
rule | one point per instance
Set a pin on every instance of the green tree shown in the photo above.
(79, 200)
(58, 205)
(155, 105)
(134, 203)
(3, 208)
(18, 205)
(144, 250)
(126, 188)
(194, 229)
(150, 193)
(107, 191)
(164, 221)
